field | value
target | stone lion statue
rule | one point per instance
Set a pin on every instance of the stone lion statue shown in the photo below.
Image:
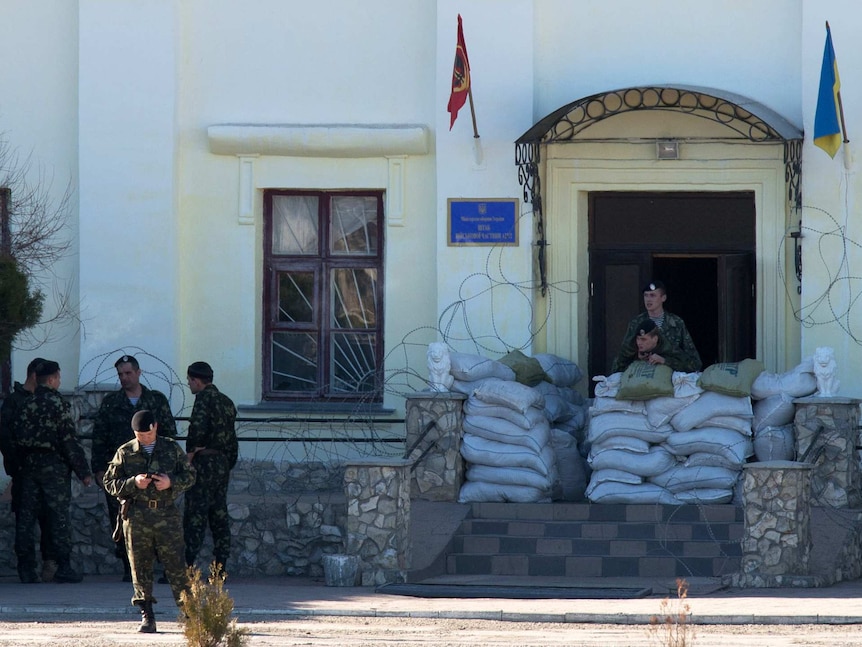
(824, 372)
(439, 364)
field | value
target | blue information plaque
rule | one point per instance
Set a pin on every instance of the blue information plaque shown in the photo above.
(492, 221)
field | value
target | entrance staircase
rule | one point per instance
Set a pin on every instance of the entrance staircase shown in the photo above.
(592, 540)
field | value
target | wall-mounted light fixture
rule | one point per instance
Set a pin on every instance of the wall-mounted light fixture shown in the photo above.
(797, 255)
(667, 150)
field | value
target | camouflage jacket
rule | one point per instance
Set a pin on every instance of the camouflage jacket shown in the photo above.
(130, 459)
(685, 355)
(212, 424)
(12, 403)
(44, 425)
(113, 424)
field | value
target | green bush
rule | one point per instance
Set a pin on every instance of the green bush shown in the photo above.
(19, 307)
(207, 610)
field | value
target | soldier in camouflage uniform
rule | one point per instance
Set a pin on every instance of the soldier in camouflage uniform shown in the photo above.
(46, 451)
(147, 474)
(112, 428)
(672, 329)
(12, 403)
(213, 449)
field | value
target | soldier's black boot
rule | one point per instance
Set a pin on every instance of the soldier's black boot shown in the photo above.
(27, 574)
(148, 618)
(66, 574)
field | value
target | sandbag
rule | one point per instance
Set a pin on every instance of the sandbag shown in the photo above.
(629, 443)
(607, 386)
(480, 491)
(482, 451)
(509, 476)
(527, 369)
(469, 368)
(625, 424)
(527, 420)
(773, 411)
(644, 381)
(685, 384)
(654, 462)
(570, 467)
(613, 492)
(705, 496)
(710, 459)
(659, 411)
(607, 405)
(742, 424)
(708, 405)
(730, 444)
(618, 476)
(560, 371)
(797, 383)
(680, 478)
(557, 408)
(503, 431)
(731, 378)
(509, 394)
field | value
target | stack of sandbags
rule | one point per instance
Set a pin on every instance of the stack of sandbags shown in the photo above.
(774, 410)
(507, 445)
(661, 437)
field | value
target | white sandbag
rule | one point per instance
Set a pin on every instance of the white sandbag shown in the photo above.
(560, 371)
(796, 383)
(617, 423)
(608, 386)
(504, 431)
(709, 405)
(556, 408)
(570, 467)
(659, 411)
(470, 368)
(710, 459)
(685, 384)
(467, 388)
(509, 476)
(480, 491)
(613, 492)
(680, 477)
(654, 462)
(705, 496)
(527, 420)
(619, 476)
(629, 443)
(482, 451)
(742, 424)
(732, 445)
(571, 395)
(578, 421)
(514, 395)
(773, 411)
(607, 405)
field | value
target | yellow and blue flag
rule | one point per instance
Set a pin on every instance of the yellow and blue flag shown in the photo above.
(827, 124)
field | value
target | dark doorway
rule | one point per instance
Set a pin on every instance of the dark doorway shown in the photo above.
(701, 245)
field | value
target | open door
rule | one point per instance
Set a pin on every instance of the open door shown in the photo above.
(736, 292)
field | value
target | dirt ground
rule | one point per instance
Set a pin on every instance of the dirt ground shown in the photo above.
(398, 632)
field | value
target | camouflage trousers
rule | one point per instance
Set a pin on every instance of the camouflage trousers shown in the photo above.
(206, 503)
(150, 532)
(44, 489)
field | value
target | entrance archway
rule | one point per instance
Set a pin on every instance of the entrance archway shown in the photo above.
(607, 143)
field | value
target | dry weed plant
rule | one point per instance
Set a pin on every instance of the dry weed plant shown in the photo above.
(672, 626)
(207, 611)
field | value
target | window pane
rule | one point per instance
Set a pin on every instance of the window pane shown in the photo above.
(353, 367)
(295, 224)
(354, 225)
(294, 361)
(296, 296)
(354, 298)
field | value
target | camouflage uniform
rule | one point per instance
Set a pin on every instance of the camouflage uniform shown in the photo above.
(211, 425)
(12, 404)
(153, 524)
(46, 451)
(673, 330)
(111, 429)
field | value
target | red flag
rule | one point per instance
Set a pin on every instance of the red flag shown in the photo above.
(460, 77)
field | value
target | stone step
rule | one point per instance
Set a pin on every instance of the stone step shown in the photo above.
(590, 540)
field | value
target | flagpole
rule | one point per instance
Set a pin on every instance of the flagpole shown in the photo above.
(473, 111)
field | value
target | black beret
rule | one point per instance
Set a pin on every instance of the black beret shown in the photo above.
(46, 367)
(655, 285)
(646, 327)
(201, 370)
(127, 359)
(143, 420)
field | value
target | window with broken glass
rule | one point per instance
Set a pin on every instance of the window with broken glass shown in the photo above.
(323, 296)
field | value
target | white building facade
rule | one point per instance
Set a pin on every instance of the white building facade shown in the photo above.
(198, 136)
